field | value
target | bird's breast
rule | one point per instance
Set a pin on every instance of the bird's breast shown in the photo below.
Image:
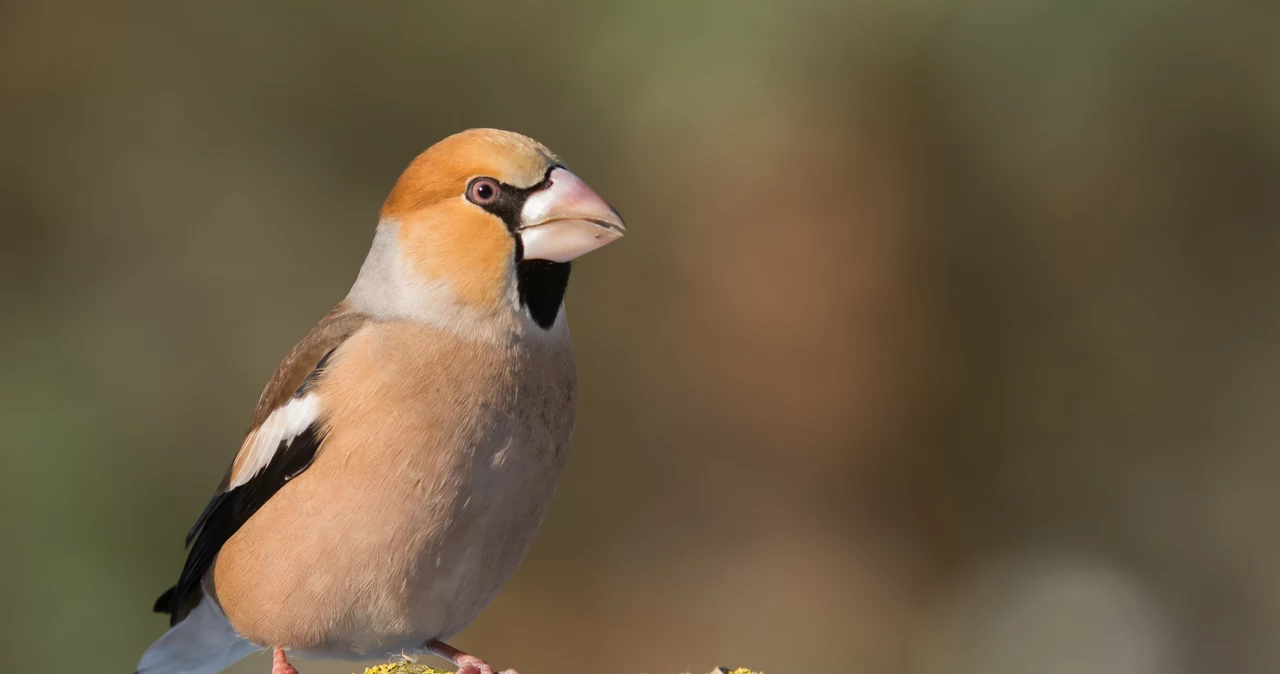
(438, 465)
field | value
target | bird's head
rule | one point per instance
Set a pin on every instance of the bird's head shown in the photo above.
(483, 222)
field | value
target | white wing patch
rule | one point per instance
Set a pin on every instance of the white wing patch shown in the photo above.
(284, 424)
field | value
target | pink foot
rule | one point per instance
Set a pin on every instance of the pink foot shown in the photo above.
(279, 665)
(466, 663)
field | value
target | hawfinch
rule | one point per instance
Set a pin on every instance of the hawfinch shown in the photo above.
(400, 461)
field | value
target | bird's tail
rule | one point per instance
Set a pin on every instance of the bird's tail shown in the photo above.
(203, 643)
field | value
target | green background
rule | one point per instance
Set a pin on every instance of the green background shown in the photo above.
(945, 337)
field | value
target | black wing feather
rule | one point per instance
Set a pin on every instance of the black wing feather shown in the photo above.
(307, 384)
(228, 511)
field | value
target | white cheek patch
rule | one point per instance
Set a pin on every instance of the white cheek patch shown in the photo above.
(284, 424)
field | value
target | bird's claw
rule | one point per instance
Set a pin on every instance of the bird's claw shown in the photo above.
(470, 664)
(280, 665)
(466, 663)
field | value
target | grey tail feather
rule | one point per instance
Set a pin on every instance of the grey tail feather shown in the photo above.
(203, 643)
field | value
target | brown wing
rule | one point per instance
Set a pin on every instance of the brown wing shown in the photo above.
(282, 440)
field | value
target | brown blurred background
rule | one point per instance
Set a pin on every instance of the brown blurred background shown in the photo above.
(945, 340)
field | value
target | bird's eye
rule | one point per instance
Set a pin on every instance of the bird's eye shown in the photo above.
(483, 191)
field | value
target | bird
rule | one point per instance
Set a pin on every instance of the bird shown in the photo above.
(401, 460)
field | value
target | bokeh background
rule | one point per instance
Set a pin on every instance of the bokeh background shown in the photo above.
(945, 340)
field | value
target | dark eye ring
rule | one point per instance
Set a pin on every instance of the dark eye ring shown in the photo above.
(483, 191)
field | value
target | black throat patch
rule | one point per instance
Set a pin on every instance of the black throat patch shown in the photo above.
(542, 284)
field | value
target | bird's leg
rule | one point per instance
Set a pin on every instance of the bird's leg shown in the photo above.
(466, 663)
(279, 665)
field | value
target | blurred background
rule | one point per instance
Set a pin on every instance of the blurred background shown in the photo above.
(945, 339)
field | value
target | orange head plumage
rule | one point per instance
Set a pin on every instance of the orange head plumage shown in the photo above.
(481, 222)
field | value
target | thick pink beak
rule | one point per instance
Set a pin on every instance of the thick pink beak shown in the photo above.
(566, 220)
